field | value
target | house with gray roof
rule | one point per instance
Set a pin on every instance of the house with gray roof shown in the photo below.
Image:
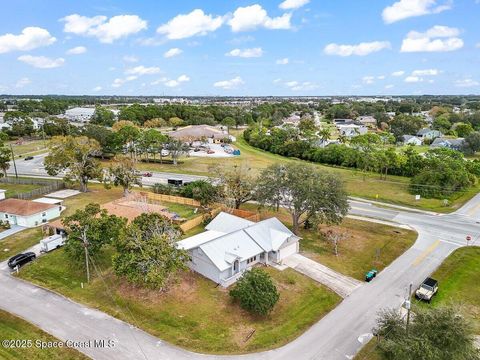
(428, 134)
(232, 245)
(455, 144)
(411, 140)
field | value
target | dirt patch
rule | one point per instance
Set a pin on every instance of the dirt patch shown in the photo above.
(242, 334)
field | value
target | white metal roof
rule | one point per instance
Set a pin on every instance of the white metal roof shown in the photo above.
(227, 223)
(199, 239)
(45, 200)
(270, 234)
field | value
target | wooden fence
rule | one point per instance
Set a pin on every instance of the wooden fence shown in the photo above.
(190, 224)
(46, 187)
(171, 198)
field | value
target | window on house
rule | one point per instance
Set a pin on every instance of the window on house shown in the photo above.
(6, 216)
(44, 214)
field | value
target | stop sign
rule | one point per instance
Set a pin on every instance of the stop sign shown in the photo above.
(469, 238)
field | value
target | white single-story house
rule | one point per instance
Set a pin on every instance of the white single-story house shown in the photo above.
(208, 133)
(429, 134)
(232, 245)
(80, 114)
(412, 140)
(352, 130)
(369, 121)
(28, 213)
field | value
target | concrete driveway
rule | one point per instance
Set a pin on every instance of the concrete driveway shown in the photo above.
(13, 230)
(341, 284)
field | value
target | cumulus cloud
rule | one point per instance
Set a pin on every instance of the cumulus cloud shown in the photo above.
(301, 86)
(196, 23)
(398, 73)
(436, 39)
(77, 50)
(389, 86)
(293, 4)
(41, 62)
(172, 52)
(30, 38)
(419, 75)
(254, 16)
(120, 81)
(97, 88)
(177, 82)
(246, 53)
(361, 49)
(229, 84)
(283, 61)
(413, 79)
(23, 82)
(465, 83)
(368, 79)
(404, 9)
(104, 29)
(143, 70)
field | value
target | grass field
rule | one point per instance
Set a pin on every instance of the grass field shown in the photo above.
(358, 252)
(193, 314)
(28, 147)
(370, 186)
(369, 352)
(458, 283)
(13, 189)
(12, 327)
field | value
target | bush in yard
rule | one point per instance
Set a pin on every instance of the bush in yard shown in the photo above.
(256, 292)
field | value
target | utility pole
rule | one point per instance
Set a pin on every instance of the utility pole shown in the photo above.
(85, 246)
(13, 159)
(408, 306)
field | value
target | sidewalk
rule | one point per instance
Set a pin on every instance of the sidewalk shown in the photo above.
(393, 206)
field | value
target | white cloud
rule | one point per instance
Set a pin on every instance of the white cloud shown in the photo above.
(41, 62)
(77, 50)
(398, 73)
(361, 49)
(130, 58)
(196, 23)
(436, 39)
(142, 70)
(283, 61)
(368, 79)
(172, 52)
(104, 29)
(97, 88)
(413, 79)
(254, 16)
(293, 4)
(183, 78)
(229, 84)
(171, 82)
(427, 72)
(404, 9)
(119, 81)
(389, 86)
(467, 83)
(381, 77)
(301, 86)
(246, 53)
(30, 38)
(23, 82)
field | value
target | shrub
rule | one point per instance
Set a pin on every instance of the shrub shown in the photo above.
(256, 292)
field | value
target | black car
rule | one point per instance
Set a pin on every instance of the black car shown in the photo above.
(21, 259)
(29, 158)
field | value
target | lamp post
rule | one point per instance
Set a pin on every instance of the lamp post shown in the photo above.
(13, 159)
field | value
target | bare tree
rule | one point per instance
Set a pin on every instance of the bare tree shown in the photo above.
(335, 237)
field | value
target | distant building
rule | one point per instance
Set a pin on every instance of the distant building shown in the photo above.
(352, 130)
(343, 121)
(293, 119)
(79, 114)
(28, 213)
(201, 132)
(412, 140)
(369, 121)
(428, 134)
(454, 144)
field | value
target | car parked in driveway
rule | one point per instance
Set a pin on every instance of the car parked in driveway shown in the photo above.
(21, 259)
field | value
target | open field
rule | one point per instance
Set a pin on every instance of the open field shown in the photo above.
(367, 245)
(194, 313)
(458, 283)
(13, 189)
(12, 327)
(393, 190)
(28, 147)
(19, 242)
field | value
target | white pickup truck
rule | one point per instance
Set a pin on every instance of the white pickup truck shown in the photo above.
(51, 243)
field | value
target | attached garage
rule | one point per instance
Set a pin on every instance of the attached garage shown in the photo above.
(288, 250)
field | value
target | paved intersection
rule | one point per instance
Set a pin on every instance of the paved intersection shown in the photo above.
(339, 335)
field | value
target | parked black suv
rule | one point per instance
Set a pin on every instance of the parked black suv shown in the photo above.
(21, 259)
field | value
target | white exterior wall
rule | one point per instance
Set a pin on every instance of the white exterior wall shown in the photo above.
(203, 265)
(289, 250)
(32, 220)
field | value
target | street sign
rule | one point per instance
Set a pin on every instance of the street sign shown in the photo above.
(469, 238)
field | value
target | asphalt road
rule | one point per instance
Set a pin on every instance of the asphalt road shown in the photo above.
(35, 167)
(339, 335)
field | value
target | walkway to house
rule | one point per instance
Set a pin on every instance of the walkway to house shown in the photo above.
(13, 230)
(341, 284)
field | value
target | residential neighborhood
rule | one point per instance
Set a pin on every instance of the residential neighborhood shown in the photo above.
(290, 179)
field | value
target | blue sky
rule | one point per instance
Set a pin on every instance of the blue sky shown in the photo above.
(291, 47)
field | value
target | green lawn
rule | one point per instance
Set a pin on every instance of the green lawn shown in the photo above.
(369, 352)
(194, 314)
(458, 283)
(28, 147)
(367, 245)
(393, 190)
(19, 242)
(12, 327)
(13, 189)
